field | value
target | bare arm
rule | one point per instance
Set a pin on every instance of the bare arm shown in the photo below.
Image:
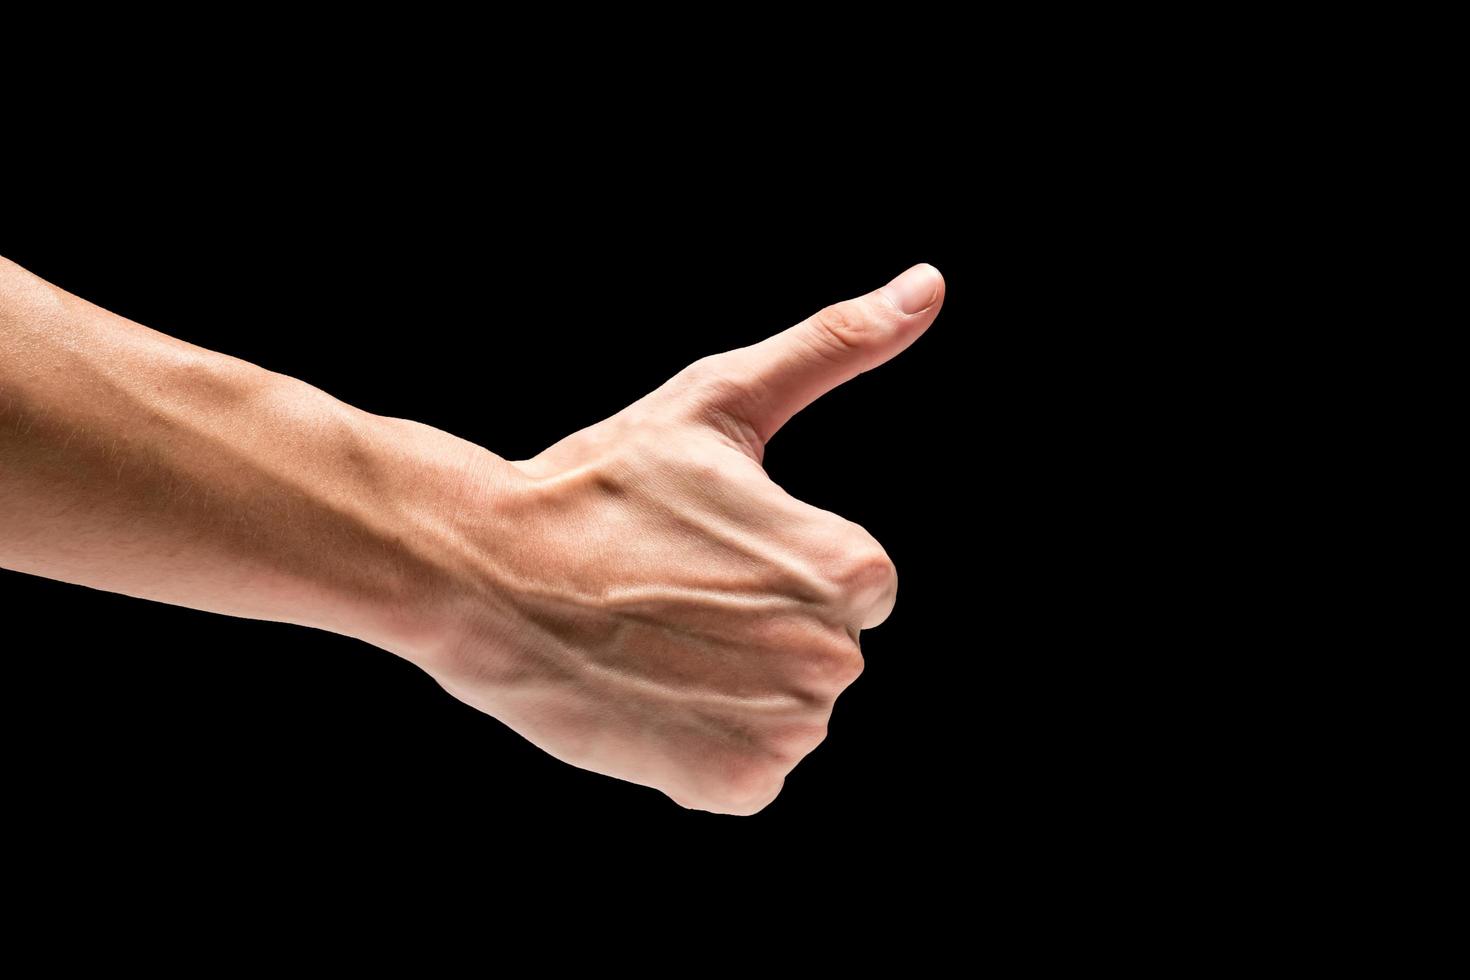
(638, 600)
(136, 463)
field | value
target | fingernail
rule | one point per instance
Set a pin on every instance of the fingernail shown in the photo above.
(915, 289)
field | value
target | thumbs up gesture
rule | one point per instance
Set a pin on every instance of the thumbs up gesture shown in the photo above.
(651, 606)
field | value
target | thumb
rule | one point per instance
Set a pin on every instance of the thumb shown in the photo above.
(777, 377)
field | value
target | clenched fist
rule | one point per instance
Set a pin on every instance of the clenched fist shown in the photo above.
(648, 603)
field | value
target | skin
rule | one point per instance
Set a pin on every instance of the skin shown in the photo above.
(639, 600)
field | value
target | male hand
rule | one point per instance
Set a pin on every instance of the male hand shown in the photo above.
(651, 606)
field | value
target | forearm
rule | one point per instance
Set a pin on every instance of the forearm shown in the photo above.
(136, 463)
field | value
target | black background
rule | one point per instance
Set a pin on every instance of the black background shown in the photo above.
(511, 312)
(1065, 711)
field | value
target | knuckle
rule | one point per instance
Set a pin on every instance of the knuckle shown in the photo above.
(835, 665)
(756, 802)
(698, 371)
(866, 567)
(745, 790)
(841, 328)
(714, 391)
(709, 377)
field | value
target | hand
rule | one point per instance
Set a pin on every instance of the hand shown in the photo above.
(650, 605)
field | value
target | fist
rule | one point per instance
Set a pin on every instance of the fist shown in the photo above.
(649, 605)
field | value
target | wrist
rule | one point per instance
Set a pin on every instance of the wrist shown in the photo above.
(441, 500)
